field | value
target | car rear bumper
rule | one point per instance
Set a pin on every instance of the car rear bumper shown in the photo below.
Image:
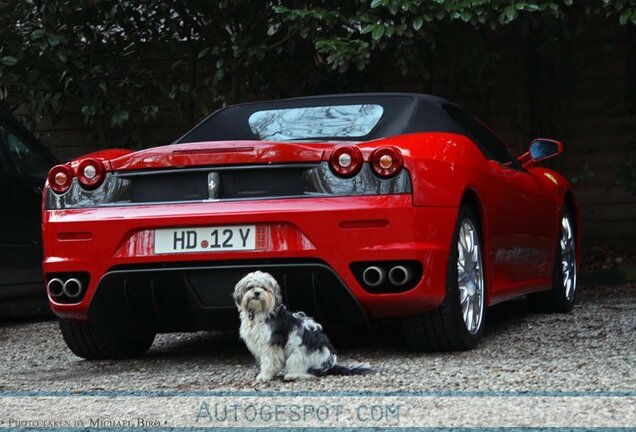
(319, 236)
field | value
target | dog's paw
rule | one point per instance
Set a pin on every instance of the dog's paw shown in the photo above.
(298, 376)
(262, 377)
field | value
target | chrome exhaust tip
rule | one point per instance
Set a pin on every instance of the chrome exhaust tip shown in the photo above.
(55, 287)
(73, 288)
(373, 276)
(399, 275)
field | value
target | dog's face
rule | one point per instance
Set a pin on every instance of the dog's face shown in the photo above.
(257, 292)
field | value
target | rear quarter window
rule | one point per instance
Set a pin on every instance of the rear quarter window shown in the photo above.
(489, 144)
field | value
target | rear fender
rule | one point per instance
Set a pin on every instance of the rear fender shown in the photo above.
(441, 165)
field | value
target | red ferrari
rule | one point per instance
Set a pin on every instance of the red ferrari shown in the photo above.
(365, 207)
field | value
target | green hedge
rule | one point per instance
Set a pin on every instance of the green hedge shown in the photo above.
(107, 58)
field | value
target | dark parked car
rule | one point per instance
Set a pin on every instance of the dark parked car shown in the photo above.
(24, 164)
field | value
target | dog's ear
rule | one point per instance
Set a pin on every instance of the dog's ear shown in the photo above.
(276, 289)
(240, 288)
(279, 296)
(237, 298)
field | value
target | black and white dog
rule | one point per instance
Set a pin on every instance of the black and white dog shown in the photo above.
(282, 340)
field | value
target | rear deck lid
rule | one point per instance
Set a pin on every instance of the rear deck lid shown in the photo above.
(220, 153)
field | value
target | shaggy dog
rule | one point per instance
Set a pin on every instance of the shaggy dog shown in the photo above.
(282, 340)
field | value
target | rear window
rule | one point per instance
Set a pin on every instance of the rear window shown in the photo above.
(331, 121)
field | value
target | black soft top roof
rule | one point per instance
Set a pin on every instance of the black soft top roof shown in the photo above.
(403, 113)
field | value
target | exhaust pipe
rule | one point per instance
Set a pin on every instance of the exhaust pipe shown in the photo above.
(373, 276)
(399, 275)
(73, 288)
(55, 287)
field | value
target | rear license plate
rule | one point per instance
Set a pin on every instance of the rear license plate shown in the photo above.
(209, 239)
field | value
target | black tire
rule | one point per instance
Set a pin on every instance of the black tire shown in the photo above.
(556, 300)
(91, 343)
(443, 329)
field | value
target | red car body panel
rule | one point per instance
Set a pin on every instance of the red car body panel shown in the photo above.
(519, 211)
(443, 167)
(299, 228)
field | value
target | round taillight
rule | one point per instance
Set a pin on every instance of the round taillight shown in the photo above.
(387, 161)
(346, 161)
(60, 178)
(90, 173)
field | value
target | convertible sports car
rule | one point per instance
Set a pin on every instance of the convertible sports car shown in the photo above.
(365, 207)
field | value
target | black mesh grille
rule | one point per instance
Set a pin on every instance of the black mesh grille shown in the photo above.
(261, 183)
(195, 186)
(242, 182)
(170, 187)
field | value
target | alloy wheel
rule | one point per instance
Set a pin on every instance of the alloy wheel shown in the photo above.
(470, 276)
(568, 258)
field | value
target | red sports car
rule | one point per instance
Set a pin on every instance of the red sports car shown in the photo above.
(365, 207)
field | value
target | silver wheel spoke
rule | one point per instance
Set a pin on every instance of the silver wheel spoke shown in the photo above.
(462, 276)
(568, 258)
(460, 264)
(470, 278)
(462, 243)
(463, 296)
(469, 242)
(475, 258)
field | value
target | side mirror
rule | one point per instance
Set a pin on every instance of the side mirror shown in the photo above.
(540, 149)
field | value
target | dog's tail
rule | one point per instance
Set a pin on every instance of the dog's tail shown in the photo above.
(358, 369)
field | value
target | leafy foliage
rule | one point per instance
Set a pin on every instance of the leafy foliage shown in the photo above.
(390, 25)
(125, 64)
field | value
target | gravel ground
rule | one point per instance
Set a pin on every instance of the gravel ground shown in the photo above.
(591, 349)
